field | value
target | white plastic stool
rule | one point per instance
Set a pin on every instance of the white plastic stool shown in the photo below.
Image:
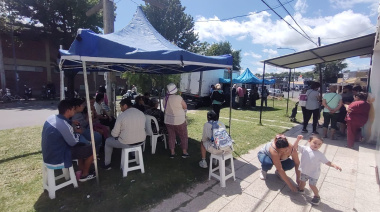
(124, 165)
(222, 177)
(49, 179)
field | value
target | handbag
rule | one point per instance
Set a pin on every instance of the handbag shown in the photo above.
(303, 99)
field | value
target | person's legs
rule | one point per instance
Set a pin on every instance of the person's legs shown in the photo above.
(266, 101)
(326, 122)
(216, 109)
(334, 126)
(171, 135)
(315, 119)
(203, 151)
(97, 138)
(287, 164)
(241, 102)
(181, 131)
(266, 161)
(111, 143)
(306, 118)
(84, 156)
(351, 133)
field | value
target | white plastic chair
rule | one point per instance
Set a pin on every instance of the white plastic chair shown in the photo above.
(221, 176)
(153, 136)
(48, 179)
(125, 161)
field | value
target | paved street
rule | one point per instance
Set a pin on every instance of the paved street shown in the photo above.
(25, 114)
(353, 189)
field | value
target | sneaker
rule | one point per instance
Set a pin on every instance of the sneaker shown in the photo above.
(107, 167)
(304, 131)
(301, 191)
(88, 177)
(316, 200)
(185, 155)
(263, 175)
(203, 164)
(171, 156)
(315, 133)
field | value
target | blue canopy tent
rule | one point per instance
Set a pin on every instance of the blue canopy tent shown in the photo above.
(138, 48)
(247, 78)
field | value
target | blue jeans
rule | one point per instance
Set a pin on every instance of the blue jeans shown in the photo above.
(267, 164)
(86, 138)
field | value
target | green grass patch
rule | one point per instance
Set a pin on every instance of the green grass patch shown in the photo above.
(21, 159)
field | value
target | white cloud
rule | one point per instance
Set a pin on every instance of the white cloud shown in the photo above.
(270, 51)
(301, 6)
(261, 29)
(345, 4)
(252, 54)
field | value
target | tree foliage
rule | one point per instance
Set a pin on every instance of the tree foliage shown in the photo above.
(172, 22)
(60, 19)
(223, 48)
(330, 70)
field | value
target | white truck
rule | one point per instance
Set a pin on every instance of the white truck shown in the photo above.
(195, 86)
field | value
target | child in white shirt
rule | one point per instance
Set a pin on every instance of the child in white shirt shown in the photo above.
(310, 166)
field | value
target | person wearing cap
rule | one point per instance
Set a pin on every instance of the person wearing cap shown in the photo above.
(129, 130)
(175, 120)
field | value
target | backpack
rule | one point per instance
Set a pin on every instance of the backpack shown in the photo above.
(221, 141)
(216, 95)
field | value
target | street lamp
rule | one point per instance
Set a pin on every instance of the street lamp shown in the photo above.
(294, 70)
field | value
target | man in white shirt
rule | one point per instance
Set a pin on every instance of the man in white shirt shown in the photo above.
(129, 131)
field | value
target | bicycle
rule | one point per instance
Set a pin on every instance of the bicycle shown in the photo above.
(7, 97)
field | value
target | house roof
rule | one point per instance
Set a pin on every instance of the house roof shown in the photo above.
(345, 49)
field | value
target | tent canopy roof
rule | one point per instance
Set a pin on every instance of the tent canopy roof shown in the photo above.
(138, 47)
(247, 78)
(345, 49)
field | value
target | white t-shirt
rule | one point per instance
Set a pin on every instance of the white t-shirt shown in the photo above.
(174, 112)
(311, 161)
(98, 108)
(312, 102)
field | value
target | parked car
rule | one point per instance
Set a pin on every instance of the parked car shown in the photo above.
(275, 92)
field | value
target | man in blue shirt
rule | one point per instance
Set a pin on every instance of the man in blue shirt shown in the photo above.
(60, 143)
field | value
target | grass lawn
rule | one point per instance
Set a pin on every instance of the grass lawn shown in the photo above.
(21, 180)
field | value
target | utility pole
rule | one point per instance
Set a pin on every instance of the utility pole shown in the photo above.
(14, 59)
(108, 27)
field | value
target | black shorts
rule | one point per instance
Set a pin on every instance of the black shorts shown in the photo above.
(342, 115)
(81, 152)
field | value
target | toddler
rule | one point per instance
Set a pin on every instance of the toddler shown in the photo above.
(310, 166)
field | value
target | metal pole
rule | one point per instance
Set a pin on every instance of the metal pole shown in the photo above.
(262, 87)
(90, 120)
(274, 93)
(320, 71)
(2, 70)
(369, 74)
(287, 102)
(229, 124)
(62, 81)
(294, 75)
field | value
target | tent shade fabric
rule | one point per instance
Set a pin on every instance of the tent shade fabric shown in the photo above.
(222, 80)
(138, 47)
(247, 78)
(349, 48)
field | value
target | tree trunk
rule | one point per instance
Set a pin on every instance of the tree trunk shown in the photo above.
(2, 70)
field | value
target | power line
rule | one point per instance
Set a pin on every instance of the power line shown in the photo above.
(293, 19)
(288, 23)
(241, 16)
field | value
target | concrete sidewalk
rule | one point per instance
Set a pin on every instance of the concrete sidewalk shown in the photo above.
(353, 189)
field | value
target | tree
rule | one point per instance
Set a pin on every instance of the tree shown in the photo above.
(223, 48)
(330, 70)
(56, 18)
(172, 23)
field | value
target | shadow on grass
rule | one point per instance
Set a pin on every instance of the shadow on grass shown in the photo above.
(20, 156)
(163, 177)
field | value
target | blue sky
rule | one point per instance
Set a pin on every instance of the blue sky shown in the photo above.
(261, 33)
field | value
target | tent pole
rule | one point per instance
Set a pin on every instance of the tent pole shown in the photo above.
(262, 87)
(62, 81)
(90, 120)
(287, 102)
(229, 129)
(274, 93)
(160, 92)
